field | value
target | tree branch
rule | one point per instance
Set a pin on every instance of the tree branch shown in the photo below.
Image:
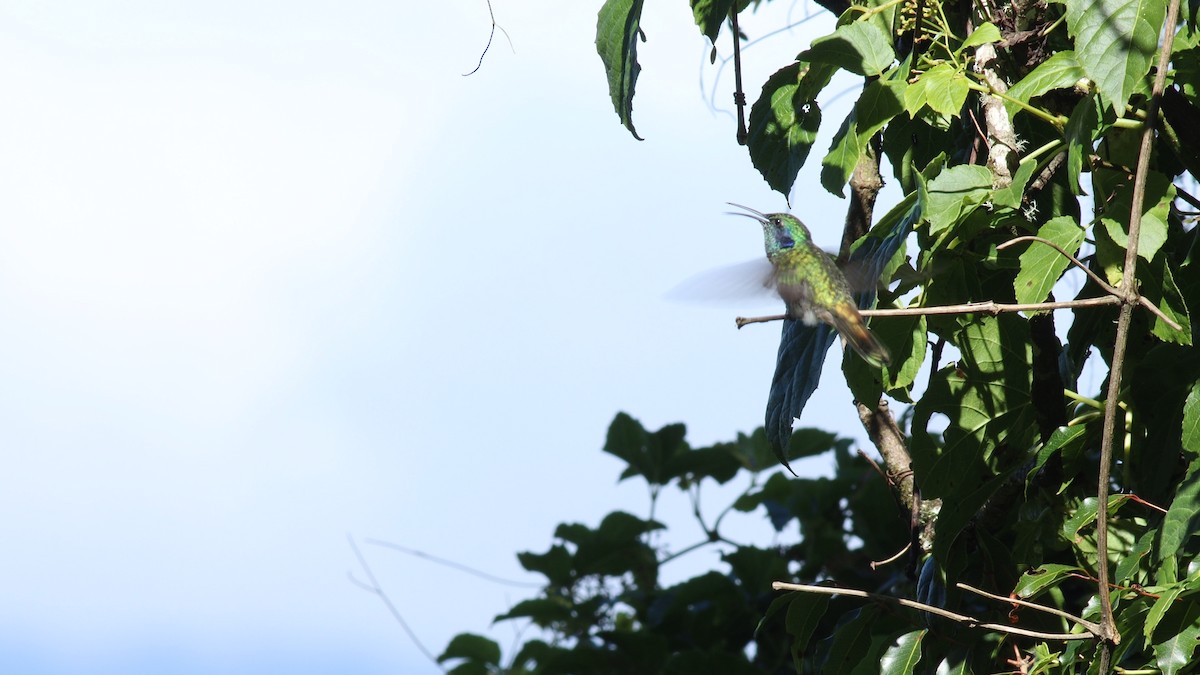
(969, 621)
(985, 307)
(1091, 627)
(1129, 297)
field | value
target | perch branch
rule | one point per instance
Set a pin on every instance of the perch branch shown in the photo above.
(969, 621)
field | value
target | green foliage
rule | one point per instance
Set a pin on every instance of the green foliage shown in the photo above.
(617, 32)
(1004, 447)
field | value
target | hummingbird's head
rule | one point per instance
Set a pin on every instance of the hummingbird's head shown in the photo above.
(781, 231)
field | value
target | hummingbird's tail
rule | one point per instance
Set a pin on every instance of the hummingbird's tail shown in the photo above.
(850, 325)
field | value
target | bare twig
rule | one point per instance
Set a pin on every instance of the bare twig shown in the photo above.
(450, 563)
(1129, 297)
(875, 564)
(372, 586)
(969, 621)
(489, 42)
(1091, 627)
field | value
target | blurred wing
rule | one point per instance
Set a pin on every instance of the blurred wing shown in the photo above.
(751, 280)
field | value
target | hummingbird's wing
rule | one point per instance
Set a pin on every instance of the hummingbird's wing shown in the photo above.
(753, 279)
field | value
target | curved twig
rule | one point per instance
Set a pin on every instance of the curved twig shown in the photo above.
(1092, 628)
(1108, 288)
(489, 42)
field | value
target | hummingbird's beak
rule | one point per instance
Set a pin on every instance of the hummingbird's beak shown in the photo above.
(756, 215)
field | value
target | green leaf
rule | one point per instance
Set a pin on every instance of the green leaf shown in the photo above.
(907, 337)
(1157, 284)
(1115, 41)
(1069, 441)
(542, 611)
(986, 398)
(1041, 265)
(860, 47)
(945, 89)
(1176, 637)
(1045, 576)
(617, 34)
(986, 33)
(850, 643)
(710, 15)
(1166, 600)
(842, 157)
(1183, 516)
(473, 648)
(1079, 134)
(903, 656)
(955, 193)
(803, 616)
(880, 101)
(1060, 71)
(784, 122)
(1191, 421)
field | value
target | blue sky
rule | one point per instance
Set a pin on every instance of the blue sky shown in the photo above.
(276, 273)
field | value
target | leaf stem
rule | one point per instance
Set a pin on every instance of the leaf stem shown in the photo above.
(1058, 121)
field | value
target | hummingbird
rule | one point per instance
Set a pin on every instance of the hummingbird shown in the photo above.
(810, 283)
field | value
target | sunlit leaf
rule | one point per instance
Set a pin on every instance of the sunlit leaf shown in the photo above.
(1115, 41)
(862, 48)
(1041, 265)
(1061, 71)
(903, 656)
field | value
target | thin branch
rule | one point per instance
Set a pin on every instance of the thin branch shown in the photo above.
(489, 42)
(986, 307)
(969, 621)
(375, 589)
(1108, 288)
(1129, 296)
(451, 564)
(1091, 627)
(875, 564)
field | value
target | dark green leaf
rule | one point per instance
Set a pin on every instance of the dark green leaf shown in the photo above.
(784, 122)
(542, 611)
(472, 647)
(1176, 637)
(1183, 517)
(710, 15)
(1080, 131)
(617, 35)
(1191, 421)
(849, 644)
